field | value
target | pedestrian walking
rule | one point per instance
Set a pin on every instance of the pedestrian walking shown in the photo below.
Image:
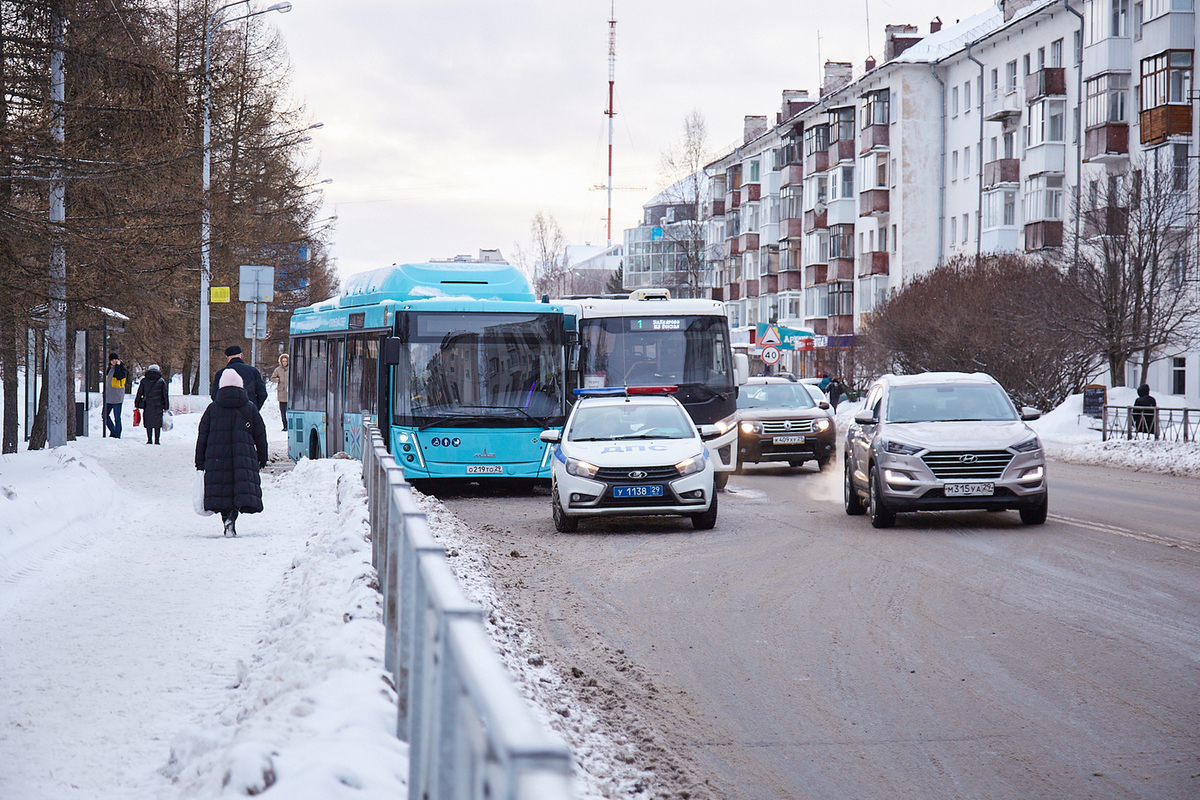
(280, 376)
(1145, 412)
(114, 394)
(153, 400)
(824, 384)
(252, 379)
(835, 392)
(231, 447)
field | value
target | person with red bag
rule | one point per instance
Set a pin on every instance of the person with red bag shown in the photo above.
(153, 400)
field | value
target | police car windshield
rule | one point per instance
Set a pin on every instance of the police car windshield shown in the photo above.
(628, 420)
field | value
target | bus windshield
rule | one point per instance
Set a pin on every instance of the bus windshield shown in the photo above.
(472, 369)
(648, 351)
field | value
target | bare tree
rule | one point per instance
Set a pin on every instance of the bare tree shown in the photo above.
(545, 259)
(995, 315)
(678, 209)
(1133, 290)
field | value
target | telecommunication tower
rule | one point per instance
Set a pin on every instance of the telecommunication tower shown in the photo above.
(611, 112)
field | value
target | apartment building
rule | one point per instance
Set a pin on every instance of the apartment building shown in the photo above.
(980, 137)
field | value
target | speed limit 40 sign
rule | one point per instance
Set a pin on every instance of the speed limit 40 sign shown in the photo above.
(770, 355)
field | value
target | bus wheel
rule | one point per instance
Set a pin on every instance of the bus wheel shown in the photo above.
(314, 446)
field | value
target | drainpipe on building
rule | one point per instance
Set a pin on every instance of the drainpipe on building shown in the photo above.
(941, 171)
(1079, 110)
(979, 158)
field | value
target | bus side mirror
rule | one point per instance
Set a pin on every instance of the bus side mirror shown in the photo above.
(741, 369)
(391, 351)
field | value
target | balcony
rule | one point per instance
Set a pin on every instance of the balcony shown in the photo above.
(791, 174)
(814, 274)
(751, 192)
(1002, 170)
(841, 150)
(840, 269)
(747, 242)
(1047, 157)
(843, 211)
(816, 220)
(1106, 144)
(735, 246)
(1110, 54)
(873, 263)
(790, 280)
(791, 228)
(733, 199)
(841, 325)
(752, 288)
(816, 162)
(1046, 82)
(733, 292)
(873, 137)
(873, 203)
(1162, 121)
(1001, 105)
(718, 208)
(769, 284)
(718, 293)
(1042, 235)
(818, 325)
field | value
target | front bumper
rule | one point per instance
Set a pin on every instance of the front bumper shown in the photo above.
(909, 485)
(582, 497)
(758, 448)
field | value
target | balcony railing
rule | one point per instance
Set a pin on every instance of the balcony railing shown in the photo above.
(815, 274)
(1001, 105)
(841, 325)
(791, 228)
(734, 291)
(874, 136)
(749, 241)
(816, 162)
(1043, 235)
(1002, 170)
(814, 220)
(841, 269)
(873, 263)
(791, 175)
(1106, 221)
(841, 150)
(1162, 121)
(751, 192)
(1107, 143)
(873, 202)
(1045, 82)
(752, 288)
(718, 208)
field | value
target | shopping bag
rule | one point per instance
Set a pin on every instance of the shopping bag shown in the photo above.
(198, 495)
(137, 417)
(168, 421)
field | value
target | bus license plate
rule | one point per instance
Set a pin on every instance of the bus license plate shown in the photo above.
(969, 489)
(485, 469)
(637, 491)
(788, 440)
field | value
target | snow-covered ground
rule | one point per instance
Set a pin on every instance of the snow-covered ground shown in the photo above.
(143, 655)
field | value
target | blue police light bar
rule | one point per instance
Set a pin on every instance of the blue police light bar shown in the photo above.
(624, 391)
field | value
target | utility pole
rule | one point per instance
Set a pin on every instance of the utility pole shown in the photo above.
(611, 112)
(56, 361)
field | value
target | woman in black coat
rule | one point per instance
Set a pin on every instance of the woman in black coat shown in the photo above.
(153, 400)
(231, 448)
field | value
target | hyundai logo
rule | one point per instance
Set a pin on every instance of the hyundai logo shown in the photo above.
(637, 474)
(968, 458)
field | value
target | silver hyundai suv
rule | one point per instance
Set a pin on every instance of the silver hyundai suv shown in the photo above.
(943, 441)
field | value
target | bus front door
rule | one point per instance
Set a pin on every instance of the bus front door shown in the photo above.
(334, 438)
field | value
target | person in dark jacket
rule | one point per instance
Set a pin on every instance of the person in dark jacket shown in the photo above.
(835, 392)
(1145, 411)
(152, 398)
(231, 448)
(252, 379)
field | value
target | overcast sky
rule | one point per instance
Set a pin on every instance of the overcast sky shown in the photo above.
(449, 125)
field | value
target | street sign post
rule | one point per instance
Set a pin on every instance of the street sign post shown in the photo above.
(256, 288)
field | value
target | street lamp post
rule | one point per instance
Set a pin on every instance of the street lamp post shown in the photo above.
(210, 27)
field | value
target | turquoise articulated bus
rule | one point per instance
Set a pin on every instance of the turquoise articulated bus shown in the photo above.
(456, 361)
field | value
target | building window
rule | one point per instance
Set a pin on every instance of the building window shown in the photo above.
(883, 239)
(954, 102)
(816, 139)
(816, 301)
(1138, 15)
(1056, 53)
(1181, 167)
(999, 210)
(1010, 77)
(754, 171)
(967, 97)
(1043, 197)
(895, 239)
(1178, 376)
(875, 108)
(1120, 18)
(872, 292)
(954, 166)
(841, 124)
(1166, 79)
(966, 228)
(1106, 99)
(1045, 123)
(847, 181)
(841, 298)
(953, 230)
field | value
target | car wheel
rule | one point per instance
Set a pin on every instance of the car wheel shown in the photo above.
(720, 479)
(823, 462)
(706, 520)
(562, 523)
(881, 517)
(1037, 514)
(854, 503)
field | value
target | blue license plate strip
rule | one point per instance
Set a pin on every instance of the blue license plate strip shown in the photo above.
(638, 491)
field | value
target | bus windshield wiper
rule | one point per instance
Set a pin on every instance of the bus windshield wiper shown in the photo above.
(539, 421)
(438, 420)
(701, 385)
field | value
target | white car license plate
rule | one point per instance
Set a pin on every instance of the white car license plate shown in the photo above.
(969, 489)
(638, 491)
(788, 440)
(485, 469)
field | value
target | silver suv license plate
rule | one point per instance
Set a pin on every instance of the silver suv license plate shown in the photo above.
(969, 489)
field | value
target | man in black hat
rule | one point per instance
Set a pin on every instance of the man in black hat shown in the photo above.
(251, 378)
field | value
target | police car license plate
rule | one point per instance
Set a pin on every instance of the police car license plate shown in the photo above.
(485, 469)
(969, 489)
(788, 440)
(637, 491)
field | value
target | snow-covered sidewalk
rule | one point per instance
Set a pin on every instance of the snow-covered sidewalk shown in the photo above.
(143, 655)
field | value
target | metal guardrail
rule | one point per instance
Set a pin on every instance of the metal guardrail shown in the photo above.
(1150, 422)
(471, 735)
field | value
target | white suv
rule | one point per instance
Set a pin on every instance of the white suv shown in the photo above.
(943, 441)
(630, 452)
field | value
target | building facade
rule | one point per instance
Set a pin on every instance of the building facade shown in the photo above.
(1005, 132)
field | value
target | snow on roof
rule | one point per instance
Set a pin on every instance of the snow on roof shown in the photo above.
(953, 38)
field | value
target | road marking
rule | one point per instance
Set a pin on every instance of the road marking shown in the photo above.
(1100, 527)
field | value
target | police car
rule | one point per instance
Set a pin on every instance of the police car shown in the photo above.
(630, 452)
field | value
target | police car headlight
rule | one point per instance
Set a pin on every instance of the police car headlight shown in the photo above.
(580, 468)
(691, 465)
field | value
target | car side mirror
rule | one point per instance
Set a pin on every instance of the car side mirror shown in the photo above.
(865, 418)
(553, 437)
(823, 405)
(1028, 414)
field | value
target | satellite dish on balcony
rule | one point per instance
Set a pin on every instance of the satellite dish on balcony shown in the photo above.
(819, 208)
